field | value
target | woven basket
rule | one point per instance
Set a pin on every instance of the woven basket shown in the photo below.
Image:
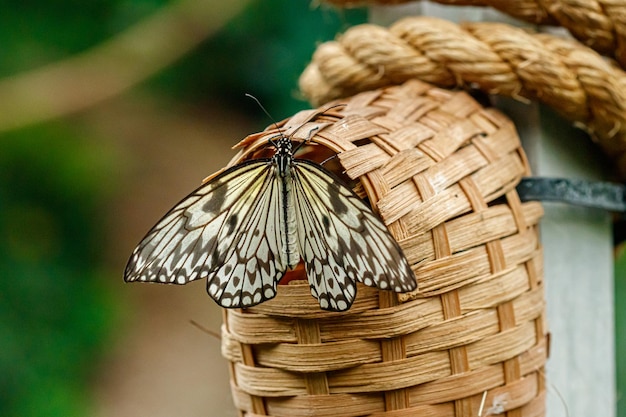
(441, 171)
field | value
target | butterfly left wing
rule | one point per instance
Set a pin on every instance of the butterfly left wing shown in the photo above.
(228, 231)
(342, 241)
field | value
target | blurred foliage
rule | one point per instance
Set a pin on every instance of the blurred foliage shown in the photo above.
(261, 52)
(37, 32)
(56, 306)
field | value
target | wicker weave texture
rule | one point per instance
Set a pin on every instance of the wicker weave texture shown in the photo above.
(441, 170)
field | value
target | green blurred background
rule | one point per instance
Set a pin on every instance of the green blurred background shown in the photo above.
(77, 193)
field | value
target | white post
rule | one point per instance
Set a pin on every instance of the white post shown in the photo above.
(577, 245)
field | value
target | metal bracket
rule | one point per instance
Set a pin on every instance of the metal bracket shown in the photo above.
(595, 194)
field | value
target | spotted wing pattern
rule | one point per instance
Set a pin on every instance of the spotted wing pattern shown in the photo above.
(243, 229)
(342, 241)
(227, 231)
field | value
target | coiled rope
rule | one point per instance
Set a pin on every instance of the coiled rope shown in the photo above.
(497, 58)
(598, 24)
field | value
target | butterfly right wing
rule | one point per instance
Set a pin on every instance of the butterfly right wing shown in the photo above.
(342, 241)
(228, 231)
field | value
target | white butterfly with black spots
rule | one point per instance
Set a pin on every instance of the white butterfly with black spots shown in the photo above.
(247, 226)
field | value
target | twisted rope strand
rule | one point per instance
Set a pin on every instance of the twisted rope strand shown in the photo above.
(497, 58)
(599, 24)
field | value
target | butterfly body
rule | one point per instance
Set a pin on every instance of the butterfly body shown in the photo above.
(246, 227)
(283, 160)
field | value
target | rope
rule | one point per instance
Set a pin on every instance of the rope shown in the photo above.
(496, 58)
(599, 24)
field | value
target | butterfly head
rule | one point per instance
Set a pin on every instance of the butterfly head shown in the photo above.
(284, 155)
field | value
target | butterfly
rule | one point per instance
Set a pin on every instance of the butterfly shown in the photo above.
(244, 228)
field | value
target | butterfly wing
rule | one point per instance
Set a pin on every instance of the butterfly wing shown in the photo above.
(342, 241)
(228, 230)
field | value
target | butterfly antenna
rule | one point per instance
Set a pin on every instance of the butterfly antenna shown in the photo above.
(271, 140)
(264, 110)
